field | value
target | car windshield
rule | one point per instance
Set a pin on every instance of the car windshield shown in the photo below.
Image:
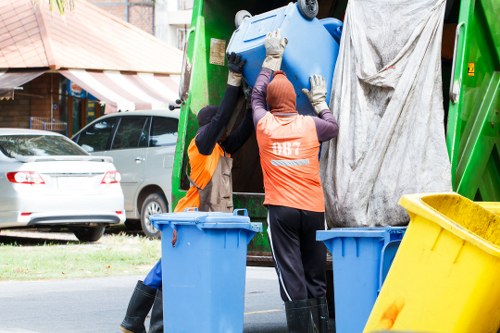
(38, 145)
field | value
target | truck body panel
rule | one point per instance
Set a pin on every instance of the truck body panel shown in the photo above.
(473, 134)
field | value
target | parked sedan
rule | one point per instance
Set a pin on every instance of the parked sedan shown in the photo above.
(48, 180)
(142, 145)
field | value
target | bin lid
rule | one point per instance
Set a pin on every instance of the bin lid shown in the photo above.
(389, 233)
(238, 219)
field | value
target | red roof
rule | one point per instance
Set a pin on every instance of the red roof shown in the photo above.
(86, 37)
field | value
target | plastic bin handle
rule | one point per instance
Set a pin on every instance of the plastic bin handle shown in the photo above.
(455, 84)
(334, 27)
(237, 211)
(384, 257)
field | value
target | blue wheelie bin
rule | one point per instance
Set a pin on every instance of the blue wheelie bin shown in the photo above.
(361, 259)
(312, 47)
(203, 275)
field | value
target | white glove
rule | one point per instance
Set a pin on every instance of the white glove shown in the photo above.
(275, 46)
(317, 94)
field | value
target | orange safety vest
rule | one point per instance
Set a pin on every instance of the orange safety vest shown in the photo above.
(289, 150)
(202, 170)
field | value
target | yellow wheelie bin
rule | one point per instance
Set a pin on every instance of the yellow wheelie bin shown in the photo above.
(445, 276)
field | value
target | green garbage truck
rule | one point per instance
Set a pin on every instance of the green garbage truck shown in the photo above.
(470, 62)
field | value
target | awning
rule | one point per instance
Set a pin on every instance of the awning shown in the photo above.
(124, 91)
(11, 80)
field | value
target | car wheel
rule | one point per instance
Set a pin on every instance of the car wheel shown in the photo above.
(88, 234)
(154, 204)
(308, 8)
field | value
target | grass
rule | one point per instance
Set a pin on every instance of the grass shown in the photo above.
(112, 255)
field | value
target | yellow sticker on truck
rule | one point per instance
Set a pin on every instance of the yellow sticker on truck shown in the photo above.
(470, 69)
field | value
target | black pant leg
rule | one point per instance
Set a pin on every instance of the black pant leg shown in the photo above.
(284, 237)
(313, 254)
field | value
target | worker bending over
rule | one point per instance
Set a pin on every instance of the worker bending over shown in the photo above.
(211, 189)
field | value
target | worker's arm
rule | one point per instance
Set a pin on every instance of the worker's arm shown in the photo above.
(259, 95)
(208, 135)
(275, 47)
(326, 126)
(239, 136)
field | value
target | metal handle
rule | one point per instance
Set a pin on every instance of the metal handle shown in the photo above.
(139, 159)
(186, 68)
(455, 85)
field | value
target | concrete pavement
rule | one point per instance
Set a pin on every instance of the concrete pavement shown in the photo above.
(98, 305)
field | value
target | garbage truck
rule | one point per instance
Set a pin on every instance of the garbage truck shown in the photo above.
(470, 62)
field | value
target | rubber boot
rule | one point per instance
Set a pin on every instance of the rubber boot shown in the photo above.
(320, 314)
(138, 308)
(156, 321)
(299, 317)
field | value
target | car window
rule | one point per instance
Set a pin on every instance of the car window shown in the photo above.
(38, 145)
(97, 136)
(163, 132)
(131, 133)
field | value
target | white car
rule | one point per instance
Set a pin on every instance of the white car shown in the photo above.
(142, 145)
(48, 180)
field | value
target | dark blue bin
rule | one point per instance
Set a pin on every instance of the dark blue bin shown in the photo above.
(361, 259)
(204, 274)
(312, 48)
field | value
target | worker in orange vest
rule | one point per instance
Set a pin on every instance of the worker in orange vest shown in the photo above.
(210, 163)
(289, 146)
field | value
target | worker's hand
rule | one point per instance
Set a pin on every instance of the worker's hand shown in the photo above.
(317, 94)
(235, 65)
(275, 46)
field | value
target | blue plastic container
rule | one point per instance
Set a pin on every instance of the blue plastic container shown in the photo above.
(361, 259)
(312, 48)
(204, 274)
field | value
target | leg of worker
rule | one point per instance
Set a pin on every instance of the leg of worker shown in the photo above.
(141, 301)
(314, 262)
(313, 253)
(138, 308)
(156, 322)
(153, 279)
(283, 231)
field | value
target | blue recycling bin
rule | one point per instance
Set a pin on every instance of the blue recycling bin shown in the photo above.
(312, 48)
(361, 259)
(203, 276)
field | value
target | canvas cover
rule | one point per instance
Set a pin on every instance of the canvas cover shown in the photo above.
(387, 98)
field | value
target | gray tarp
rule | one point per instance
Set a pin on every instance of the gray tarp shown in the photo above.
(387, 97)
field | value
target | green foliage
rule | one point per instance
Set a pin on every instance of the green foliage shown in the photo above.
(62, 5)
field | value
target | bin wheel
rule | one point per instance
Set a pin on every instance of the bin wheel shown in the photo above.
(308, 8)
(240, 16)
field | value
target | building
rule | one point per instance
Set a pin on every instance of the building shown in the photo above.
(168, 20)
(60, 72)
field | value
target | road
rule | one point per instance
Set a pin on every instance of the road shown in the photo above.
(98, 305)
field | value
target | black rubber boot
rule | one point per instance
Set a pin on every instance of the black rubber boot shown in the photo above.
(320, 314)
(138, 308)
(156, 321)
(299, 317)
